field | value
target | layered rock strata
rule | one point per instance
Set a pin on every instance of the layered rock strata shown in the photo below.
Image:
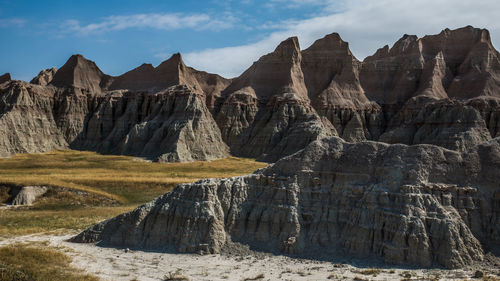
(266, 112)
(441, 89)
(171, 126)
(422, 205)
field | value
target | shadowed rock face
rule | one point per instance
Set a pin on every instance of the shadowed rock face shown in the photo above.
(441, 89)
(458, 64)
(421, 205)
(171, 125)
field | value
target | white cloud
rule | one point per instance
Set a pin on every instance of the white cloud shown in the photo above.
(365, 24)
(299, 3)
(12, 22)
(159, 21)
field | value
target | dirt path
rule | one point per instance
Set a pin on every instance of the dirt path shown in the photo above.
(118, 264)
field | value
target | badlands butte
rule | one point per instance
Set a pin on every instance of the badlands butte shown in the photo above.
(394, 158)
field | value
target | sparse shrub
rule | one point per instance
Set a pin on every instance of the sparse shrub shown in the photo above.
(175, 276)
(258, 277)
(370, 271)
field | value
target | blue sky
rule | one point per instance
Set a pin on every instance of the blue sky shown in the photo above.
(218, 36)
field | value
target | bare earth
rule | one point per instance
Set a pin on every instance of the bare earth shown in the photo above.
(120, 264)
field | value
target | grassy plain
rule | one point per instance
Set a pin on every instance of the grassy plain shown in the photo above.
(125, 181)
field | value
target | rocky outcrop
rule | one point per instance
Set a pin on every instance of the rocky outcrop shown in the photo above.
(27, 121)
(44, 77)
(266, 112)
(332, 79)
(440, 89)
(171, 125)
(27, 195)
(459, 64)
(170, 73)
(5, 78)
(421, 205)
(452, 124)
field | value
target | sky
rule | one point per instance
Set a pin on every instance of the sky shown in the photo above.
(218, 36)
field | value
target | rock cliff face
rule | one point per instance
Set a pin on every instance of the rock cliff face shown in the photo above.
(75, 109)
(27, 122)
(441, 89)
(266, 112)
(171, 125)
(421, 205)
(332, 79)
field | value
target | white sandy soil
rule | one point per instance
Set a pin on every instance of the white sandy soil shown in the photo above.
(120, 264)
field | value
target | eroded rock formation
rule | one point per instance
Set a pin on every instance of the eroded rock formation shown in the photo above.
(266, 112)
(44, 77)
(422, 205)
(441, 89)
(171, 125)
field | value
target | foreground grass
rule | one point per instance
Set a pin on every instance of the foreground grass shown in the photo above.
(21, 262)
(128, 181)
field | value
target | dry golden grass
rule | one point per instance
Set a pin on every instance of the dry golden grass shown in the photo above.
(23, 221)
(127, 180)
(21, 262)
(118, 177)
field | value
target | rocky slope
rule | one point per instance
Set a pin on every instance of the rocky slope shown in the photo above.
(266, 112)
(422, 205)
(441, 89)
(171, 125)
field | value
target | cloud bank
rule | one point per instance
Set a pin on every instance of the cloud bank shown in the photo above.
(365, 24)
(160, 21)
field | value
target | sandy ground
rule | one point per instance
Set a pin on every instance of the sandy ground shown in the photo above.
(119, 264)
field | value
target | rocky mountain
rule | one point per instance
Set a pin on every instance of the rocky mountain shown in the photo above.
(441, 89)
(170, 73)
(77, 111)
(422, 205)
(266, 112)
(78, 72)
